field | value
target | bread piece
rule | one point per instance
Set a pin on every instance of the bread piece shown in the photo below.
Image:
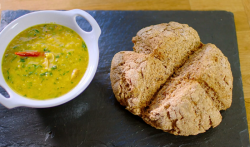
(135, 78)
(189, 102)
(186, 110)
(212, 70)
(169, 42)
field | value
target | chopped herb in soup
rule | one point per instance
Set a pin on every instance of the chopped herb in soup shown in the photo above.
(45, 61)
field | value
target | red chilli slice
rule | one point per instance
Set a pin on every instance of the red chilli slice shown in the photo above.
(28, 54)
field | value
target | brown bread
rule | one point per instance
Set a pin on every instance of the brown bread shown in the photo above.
(194, 96)
(173, 81)
(170, 42)
(188, 110)
(135, 78)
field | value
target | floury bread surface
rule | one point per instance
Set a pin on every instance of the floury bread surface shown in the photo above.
(169, 42)
(136, 78)
(187, 110)
(173, 81)
(190, 101)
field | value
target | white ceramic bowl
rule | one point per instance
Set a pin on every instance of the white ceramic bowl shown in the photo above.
(65, 18)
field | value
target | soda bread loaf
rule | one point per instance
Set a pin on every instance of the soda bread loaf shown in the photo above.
(172, 80)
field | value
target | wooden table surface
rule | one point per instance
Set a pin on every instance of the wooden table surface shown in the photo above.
(240, 8)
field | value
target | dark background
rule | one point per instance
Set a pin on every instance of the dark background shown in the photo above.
(95, 118)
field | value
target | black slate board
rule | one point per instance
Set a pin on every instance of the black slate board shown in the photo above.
(95, 118)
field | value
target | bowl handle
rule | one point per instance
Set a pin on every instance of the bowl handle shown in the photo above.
(8, 102)
(96, 31)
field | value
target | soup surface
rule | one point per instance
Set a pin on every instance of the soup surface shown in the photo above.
(45, 61)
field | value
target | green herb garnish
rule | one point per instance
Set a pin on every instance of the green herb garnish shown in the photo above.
(22, 60)
(54, 67)
(15, 47)
(84, 46)
(43, 74)
(46, 50)
(65, 72)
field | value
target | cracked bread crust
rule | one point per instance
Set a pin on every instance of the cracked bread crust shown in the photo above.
(188, 110)
(169, 42)
(189, 102)
(212, 70)
(135, 78)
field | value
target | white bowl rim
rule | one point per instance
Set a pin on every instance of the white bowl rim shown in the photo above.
(65, 18)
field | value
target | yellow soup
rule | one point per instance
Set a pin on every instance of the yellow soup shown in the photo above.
(45, 61)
